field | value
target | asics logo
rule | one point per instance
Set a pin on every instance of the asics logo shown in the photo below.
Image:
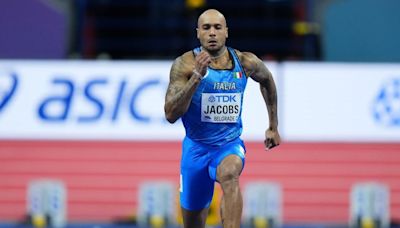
(8, 86)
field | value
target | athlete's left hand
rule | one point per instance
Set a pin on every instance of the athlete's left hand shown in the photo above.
(272, 138)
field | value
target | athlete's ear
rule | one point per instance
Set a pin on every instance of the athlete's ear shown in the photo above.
(197, 31)
(226, 33)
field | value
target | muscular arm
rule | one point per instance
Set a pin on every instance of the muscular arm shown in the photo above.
(181, 88)
(259, 72)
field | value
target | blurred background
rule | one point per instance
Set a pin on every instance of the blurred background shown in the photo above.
(279, 30)
(83, 139)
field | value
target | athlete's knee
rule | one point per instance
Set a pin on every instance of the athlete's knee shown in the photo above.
(229, 170)
(230, 183)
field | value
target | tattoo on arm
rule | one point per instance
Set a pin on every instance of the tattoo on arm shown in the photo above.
(180, 91)
(261, 74)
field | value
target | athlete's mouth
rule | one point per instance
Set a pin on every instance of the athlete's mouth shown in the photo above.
(212, 42)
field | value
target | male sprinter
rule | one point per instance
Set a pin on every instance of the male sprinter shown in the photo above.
(206, 90)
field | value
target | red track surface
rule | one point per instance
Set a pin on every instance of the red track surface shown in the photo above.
(103, 177)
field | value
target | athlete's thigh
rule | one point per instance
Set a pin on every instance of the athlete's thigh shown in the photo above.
(230, 158)
(196, 187)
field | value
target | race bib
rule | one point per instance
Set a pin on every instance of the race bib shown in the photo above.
(220, 107)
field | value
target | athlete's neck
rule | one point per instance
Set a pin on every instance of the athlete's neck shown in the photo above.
(217, 54)
(221, 53)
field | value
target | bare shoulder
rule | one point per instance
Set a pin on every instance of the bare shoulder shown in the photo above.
(249, 61)
(180, 73)
(183, 65)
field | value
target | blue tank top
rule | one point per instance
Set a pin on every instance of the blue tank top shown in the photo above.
(214, 114)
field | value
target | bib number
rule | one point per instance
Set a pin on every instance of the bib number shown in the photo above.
(220, 107)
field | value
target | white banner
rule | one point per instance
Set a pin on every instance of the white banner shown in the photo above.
(94, 100)
(124, 101)
(340, 102)
(85, 100)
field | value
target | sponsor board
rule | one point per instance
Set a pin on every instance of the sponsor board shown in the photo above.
(123, 100)
(85, 100)
(95, 100)
(341, 102)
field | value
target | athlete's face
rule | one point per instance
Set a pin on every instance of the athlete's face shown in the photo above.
(212, 31)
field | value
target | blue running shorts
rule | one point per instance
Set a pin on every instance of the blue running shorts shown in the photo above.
(199, 170)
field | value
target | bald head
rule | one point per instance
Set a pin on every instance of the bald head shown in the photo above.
(211, 15)
(212, 31)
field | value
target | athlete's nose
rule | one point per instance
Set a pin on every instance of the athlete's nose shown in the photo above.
(212, 32)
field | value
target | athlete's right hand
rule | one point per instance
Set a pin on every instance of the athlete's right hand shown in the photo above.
(203, 59)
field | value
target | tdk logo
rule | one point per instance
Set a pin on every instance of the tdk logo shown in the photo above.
(222, 98)
(386, 108)
(8, 86)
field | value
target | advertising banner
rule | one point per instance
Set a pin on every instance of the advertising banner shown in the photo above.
(99, 100)
(340, 102)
